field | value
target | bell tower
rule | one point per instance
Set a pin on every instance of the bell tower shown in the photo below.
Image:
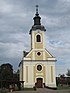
(37, 32)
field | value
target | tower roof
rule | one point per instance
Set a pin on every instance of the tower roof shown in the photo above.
(37, 22)
(37, 17)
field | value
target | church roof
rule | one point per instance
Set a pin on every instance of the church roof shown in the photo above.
(25, 53)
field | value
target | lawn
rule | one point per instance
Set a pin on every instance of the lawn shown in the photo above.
(3, 91)
(28, 89)
(63, 88)
(25, 89)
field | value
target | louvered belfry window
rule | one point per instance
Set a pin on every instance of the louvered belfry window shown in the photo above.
(38, 38)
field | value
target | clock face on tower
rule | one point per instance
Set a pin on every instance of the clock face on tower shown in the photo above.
(39, 67)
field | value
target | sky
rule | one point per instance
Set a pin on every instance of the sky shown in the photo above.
(16, 19)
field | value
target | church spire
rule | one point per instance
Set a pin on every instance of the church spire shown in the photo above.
(37, 17)
(37, 22)
(37, 10)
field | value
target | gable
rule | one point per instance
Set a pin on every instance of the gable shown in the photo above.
(45, 55)
(48, 54)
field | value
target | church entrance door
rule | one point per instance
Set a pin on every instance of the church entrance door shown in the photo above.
(39, 82)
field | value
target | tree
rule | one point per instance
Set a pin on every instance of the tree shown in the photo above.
(61, 75)
(6, 73)
(8, 76)
(68, 72)
(61, 79)
(16, 76)
(68, 76)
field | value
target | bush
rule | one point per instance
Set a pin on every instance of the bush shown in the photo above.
(34, 88)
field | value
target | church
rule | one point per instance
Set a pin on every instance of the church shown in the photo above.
(37, 67)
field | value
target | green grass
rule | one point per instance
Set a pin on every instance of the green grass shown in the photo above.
(28, 89)
(3, 91)
(63, 87)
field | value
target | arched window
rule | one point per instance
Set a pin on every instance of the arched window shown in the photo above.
(38, 38)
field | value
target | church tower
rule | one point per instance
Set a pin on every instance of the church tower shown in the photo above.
(37, 32)
(37, 67)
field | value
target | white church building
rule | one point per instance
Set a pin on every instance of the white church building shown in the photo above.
(37, 67)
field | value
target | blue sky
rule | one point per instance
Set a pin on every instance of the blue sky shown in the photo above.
(16, 19)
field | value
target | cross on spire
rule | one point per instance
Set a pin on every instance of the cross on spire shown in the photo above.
(37, 9)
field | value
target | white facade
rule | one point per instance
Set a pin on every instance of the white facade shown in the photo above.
(31, 79)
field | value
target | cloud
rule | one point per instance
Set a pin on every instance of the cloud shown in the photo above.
(4, 7)
(16, 21)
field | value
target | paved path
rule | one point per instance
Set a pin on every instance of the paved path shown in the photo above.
(52, 91)
(43, 90)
